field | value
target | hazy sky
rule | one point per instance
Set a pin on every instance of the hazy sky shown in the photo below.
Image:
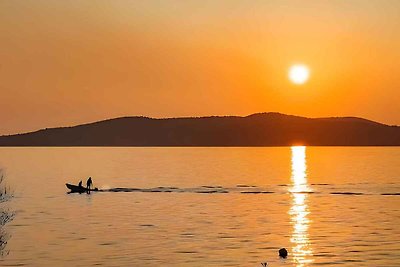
(68, 62)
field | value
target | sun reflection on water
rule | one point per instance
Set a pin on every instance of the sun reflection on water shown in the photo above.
(301, 250)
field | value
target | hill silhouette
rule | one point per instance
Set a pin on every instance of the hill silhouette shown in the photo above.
(261, 129)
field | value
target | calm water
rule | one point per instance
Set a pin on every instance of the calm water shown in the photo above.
(204, 206)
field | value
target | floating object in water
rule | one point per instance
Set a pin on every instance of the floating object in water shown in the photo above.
(283, 253)
(79, 189)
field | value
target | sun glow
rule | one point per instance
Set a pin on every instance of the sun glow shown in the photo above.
(299, 74)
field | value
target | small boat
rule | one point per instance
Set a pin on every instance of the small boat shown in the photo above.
(79, 189)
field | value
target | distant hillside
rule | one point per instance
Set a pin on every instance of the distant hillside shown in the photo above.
(263, 129)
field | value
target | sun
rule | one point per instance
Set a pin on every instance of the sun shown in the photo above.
(299, 74)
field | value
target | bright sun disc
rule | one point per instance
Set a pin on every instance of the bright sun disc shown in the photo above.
(299, 74)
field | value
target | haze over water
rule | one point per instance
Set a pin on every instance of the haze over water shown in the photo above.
(204, 206)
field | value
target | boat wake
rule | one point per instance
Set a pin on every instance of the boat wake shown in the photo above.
(319, 189)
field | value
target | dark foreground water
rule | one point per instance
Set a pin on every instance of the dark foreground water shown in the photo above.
(203, 206)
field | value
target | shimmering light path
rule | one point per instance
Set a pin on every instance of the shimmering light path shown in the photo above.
(302, 251)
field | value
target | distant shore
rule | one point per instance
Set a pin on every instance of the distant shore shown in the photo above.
(261, 129)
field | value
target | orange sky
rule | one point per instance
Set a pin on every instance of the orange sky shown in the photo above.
(69, 62)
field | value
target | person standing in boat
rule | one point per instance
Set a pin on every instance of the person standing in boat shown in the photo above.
(89, 183)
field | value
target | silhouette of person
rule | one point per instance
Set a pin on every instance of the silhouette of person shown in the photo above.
(89, 183)
(80, 184)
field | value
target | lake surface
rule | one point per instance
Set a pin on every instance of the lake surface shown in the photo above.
(203, 206)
